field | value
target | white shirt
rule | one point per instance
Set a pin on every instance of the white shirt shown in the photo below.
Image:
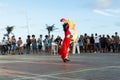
(4, 42)
(97, 39)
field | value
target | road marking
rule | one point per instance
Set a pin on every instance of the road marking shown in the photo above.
(38, 76)
(60, 78)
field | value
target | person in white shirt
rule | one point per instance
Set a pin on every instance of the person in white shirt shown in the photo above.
(4, 41)
(76, 46)
(4, 46)
(97, 42)
(40, 44)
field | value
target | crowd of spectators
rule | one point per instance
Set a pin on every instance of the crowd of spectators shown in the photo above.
(93, 43)
(99, 43)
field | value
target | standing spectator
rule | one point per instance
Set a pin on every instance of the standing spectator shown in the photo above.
(103, 42)
(97, 43)
(51, 41)
(71, 44)
(119, 45)
(9, 45)
(76, 46)
(34, 44)
(116, 40)
(4, 46)
(28, 44)
(81, 44)
(88, 44)
(112, 43)
(92, 42)
(85, 41)
(19, 43)
(47, 44)
(40, 44)
(58, 40)
(109, 41)
(52, 38)
(13, 40)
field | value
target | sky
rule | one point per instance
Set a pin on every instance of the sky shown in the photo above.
(31, 16)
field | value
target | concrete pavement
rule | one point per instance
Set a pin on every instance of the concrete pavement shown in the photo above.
(85, 66)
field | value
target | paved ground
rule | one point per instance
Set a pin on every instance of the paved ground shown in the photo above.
(85, 66)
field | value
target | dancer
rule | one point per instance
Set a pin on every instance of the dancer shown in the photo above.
(64, 50)
(71, 27)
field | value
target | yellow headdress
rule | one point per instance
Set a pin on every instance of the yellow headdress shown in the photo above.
(71, 26)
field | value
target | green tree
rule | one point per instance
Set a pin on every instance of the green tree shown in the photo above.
(9, 29)
(50, 28)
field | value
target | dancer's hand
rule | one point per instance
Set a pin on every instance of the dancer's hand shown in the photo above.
(68, 36)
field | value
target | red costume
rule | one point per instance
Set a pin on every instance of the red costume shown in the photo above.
(64, 51)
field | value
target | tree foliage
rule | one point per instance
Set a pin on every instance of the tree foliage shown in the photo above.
(9, 29)
(50, 28)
